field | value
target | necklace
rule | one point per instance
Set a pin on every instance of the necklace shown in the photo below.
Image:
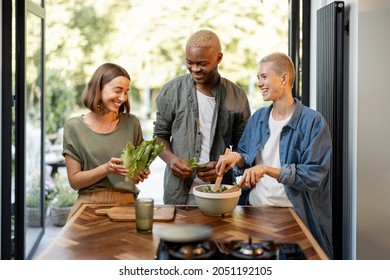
(100, 124)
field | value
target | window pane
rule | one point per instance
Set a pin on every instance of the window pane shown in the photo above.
(33, 129)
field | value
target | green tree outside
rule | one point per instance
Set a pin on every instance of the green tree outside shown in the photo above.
(147, 37)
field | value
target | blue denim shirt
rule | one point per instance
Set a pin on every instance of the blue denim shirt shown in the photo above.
(305, 152)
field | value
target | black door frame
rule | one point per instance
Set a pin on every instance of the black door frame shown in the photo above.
(299, 47)
(6, 131)
(22, 8)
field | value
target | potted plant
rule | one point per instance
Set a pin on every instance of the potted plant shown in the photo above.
(33, 212)
(63, 198)
(33, 201)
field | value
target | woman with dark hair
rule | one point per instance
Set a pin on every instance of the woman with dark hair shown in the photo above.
(93, 142)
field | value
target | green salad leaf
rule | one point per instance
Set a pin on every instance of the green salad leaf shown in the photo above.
(194, 164)
(219, 190)
(139, 159)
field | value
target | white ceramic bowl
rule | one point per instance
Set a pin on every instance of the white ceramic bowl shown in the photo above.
(216, 204)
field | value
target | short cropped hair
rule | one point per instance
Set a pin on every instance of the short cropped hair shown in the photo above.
(104, 74)
(281, 63)
(204, 39)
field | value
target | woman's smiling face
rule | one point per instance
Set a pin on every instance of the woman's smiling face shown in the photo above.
(115, 93)
(269, 82)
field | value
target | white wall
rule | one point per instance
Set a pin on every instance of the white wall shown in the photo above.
(368, 128)
(373, 131)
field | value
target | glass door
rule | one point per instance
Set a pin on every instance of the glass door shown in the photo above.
(29, 128)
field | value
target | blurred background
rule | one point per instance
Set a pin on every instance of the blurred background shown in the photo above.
(147, 37)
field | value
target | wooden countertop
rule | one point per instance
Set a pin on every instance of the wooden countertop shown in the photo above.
(88, 236)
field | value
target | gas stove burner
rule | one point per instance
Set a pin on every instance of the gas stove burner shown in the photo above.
(251, 250)
(192, 251)
(254, 251)
(228, 250)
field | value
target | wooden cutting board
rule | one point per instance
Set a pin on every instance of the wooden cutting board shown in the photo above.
(164, 213)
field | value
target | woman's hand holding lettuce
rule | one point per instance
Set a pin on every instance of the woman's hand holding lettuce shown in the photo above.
(138, 159)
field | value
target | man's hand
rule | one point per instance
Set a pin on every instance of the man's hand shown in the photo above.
(179, 167)
(207, 173)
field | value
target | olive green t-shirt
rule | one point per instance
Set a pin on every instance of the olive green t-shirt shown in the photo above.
(92, 149)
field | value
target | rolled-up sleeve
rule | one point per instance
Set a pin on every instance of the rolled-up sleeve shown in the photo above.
(308, 168)
(164, 114)
(70, 143)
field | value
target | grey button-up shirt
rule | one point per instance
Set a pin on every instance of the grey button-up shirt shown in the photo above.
(177, 120)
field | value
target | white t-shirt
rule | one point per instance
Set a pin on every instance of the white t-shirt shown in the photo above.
(268, 190)
(206, 105)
